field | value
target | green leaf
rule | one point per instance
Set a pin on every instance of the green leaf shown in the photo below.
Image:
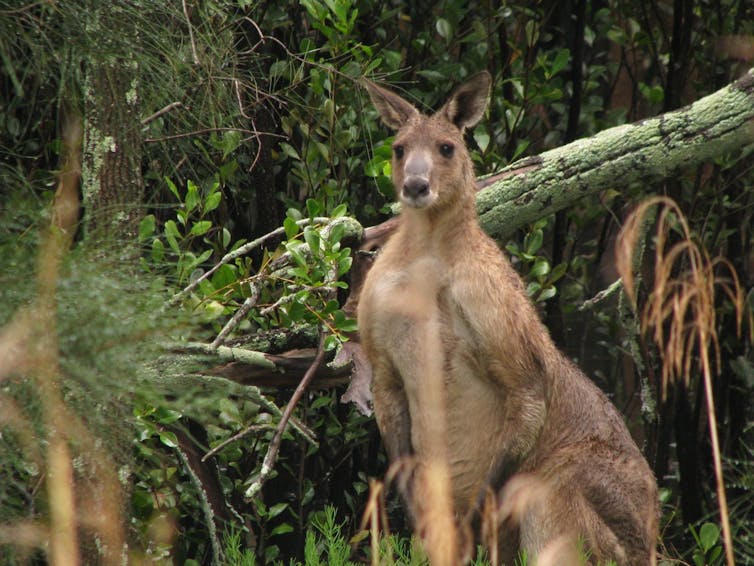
(348, 325)
(289, 150)
(331, 342)
(540, 269)
(166, 416)
(276, 509)
(200, 228)
(212, 201)
(231, 141)
(533, 242)
(547, 293)
(147, 227)
(560, 61)
(532, 32)
(296, 311)
(192, 196)
(281, 529)
(520, 149)
(321, 401)
(224, 276)
(313, 207)
(344, 265)
(311, 237)
(373, 167)
(337, 232)
(279, 69)
(291, 228)
(171, 229)
(158, 250)
(709, 534)
(558, 271)
(482, 138)
(173, 188)
(296, 255)
(173, 243)
(444, 29)
(204, 256)
(168, 438)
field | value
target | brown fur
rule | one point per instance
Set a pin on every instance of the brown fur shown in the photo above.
(449, 330)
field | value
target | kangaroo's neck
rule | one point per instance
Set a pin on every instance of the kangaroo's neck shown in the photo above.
(433, 230)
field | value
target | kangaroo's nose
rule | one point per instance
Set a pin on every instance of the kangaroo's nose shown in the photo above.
(415, 186)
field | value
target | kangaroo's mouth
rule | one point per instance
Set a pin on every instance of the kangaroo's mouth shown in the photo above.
(422, 201)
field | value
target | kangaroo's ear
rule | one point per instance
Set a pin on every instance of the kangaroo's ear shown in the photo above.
(393, 110)
(467, 104)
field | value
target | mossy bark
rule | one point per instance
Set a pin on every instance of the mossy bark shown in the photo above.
(112, 183)
(716, 125)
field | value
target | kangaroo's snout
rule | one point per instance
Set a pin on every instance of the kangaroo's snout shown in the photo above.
(416, 187)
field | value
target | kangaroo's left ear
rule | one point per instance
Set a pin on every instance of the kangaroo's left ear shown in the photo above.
(467, 104)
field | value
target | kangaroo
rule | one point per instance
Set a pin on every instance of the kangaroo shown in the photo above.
(466, 374)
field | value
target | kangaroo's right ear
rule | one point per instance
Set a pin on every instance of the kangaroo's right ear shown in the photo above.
(393, 110)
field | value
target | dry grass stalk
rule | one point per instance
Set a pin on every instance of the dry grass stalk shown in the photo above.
(680, 312)
(29, 347)
(376, 518)
(432, 510)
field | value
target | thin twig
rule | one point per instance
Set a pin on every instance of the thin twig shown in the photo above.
(251, 133)
(235, 320)
(237, 436)
(274, 447)
(292, 297)
(236, 85)
(253, 393)
(161, 112)
(259, 31)
(26, 8)
(602, 295)
(191, 34)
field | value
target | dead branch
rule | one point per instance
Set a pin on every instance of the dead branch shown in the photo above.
(274, 447)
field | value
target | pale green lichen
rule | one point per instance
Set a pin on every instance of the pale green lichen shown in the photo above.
(132, 94)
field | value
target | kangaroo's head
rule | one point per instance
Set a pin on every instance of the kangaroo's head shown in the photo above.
(431, 165)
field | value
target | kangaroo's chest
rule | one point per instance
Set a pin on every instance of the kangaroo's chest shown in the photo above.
(417, 323)
(405, 316)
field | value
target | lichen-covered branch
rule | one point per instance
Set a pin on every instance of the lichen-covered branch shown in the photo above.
(653, 149)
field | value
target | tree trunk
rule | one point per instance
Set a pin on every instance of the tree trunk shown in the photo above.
(658, 148)
(112, 184)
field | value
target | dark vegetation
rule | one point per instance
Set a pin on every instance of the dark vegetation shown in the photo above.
(206, 126)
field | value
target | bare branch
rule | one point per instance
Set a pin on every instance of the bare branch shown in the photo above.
(274, 446)
(229, 354)
(238, 436)
(532, 188)
(242, 311)
(161, 112)
(191, 34)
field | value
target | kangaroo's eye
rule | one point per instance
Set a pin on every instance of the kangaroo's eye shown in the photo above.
(398, 151)
(446, 149)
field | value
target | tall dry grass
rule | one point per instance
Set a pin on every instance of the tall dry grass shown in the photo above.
(79, 506)
(679, 312)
